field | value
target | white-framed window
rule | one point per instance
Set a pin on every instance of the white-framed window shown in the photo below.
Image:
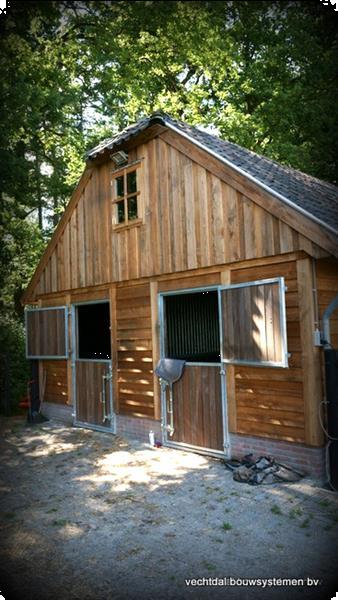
(126, 196)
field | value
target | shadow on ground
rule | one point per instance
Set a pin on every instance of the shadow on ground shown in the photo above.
(87, 515)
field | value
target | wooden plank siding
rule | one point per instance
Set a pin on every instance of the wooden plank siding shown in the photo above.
(193, 219)
(135, 384)
(46, 333)
(54, 381)
(190, 218)
(89, 406)
(270, 401)
(197, 408)
(82, 254)
(201, 224)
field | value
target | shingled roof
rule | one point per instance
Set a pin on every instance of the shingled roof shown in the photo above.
(313, 197)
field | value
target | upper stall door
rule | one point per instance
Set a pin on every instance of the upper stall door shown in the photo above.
(253, 323)
(92, 366)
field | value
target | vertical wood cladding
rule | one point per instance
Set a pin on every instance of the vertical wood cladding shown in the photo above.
(89, 406)
(45, 330)
(197, 408)
(82, 256)
(190, 219)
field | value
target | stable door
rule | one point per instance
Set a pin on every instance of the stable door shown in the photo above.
(194, 410)
(92, 367)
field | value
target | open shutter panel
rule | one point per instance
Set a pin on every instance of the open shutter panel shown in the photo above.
(47, 332)
(254, 323)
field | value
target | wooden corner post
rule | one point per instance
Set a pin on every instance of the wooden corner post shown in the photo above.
(156, 345)
(311, 355)
(114, 355)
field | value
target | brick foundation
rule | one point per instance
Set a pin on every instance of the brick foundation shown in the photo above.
(137, 428)
(309, 460)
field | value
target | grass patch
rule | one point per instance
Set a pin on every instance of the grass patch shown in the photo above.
(275, 509)
(52, 510)
(209, 566)
(305, 523)
(324, 503)
(280, 546)
(59, 522)
(226, 526)
(227, 510)
(295, 512)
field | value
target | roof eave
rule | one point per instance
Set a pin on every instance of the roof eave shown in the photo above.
(252, 178)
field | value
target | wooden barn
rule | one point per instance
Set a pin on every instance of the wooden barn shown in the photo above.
(177, 244)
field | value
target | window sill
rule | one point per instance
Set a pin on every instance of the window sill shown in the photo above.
(130, 225)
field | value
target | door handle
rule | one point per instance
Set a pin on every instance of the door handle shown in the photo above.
(170, 411)
(103, 398)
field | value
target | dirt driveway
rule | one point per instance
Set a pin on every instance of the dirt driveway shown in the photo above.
(86, 515)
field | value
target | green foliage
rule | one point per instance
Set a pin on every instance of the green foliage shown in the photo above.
(14, 372)
(263, 73)
(275, 509)
(21, 245)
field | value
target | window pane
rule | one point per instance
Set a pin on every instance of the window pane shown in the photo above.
(120, 216)
(119, 186)
(131, 182)
(132, 208)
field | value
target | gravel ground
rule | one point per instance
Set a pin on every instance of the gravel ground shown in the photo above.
(86, 515)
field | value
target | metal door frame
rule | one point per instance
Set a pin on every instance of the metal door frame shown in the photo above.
(282, 288)
(75, 360)
(226, 438)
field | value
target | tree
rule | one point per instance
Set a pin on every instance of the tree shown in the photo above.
(263, 73)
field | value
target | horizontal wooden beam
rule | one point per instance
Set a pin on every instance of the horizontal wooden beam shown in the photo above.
(235, 266)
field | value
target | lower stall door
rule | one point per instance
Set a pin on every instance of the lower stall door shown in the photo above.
(197, 409)
(93, 393)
